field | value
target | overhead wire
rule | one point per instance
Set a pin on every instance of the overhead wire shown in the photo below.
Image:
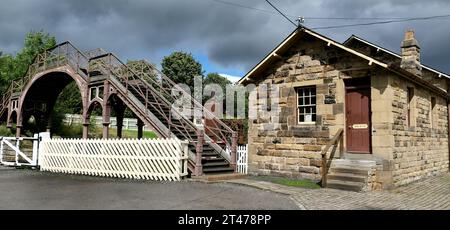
(279, 11)
(288, 17)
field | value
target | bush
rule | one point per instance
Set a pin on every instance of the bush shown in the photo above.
(5, 132)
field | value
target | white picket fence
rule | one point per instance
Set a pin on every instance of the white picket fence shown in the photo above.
(241, 158)
(151, 159)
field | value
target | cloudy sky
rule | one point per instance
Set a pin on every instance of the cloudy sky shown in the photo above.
(226, 36)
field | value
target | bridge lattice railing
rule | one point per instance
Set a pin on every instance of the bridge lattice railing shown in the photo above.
(59, 55)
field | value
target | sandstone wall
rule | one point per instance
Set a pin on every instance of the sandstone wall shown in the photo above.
(421, 149)
(288, 148)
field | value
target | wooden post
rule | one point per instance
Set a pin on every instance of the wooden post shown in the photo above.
(199, 152)
(234, 139)
(324, 170)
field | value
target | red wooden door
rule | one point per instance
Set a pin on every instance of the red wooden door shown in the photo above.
(358, 120)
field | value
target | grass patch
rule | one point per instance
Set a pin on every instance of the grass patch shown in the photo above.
(133, 134)
(300, 183)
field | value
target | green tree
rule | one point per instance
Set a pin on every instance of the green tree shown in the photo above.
(181, 68)
(16, 67)
(6, 66)
(215, 78)
(35, 43)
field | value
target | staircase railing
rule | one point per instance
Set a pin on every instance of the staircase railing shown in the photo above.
(5, 100)
(110, 64)
(219, 131)
(338, 139)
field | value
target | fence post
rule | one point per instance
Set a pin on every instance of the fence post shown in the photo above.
(199, 152)
(184, 157)
(234, 138)
(35, 149)
(17, 153)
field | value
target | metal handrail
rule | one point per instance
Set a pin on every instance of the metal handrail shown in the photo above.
(217, 122)
(107, 67)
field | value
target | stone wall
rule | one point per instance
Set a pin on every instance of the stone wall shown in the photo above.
(421, 149)
(288, 148)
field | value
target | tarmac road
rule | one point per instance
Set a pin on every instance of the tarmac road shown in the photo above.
(32, 189)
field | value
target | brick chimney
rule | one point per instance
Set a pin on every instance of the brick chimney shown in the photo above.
(411, 54)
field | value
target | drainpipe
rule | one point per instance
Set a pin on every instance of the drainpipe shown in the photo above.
(448, 132)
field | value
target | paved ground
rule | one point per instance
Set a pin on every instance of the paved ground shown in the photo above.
(429, 194)
(26, 189)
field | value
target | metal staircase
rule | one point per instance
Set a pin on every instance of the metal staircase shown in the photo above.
(148, 93)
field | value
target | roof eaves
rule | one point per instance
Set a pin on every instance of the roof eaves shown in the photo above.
(328, 40)
(270, 55)
(337, 44)
(416, 79)
(394, 54)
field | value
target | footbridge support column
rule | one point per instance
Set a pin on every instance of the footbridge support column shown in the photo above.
(140, 126)
(85, 130)
(106, 115)
(18, 130)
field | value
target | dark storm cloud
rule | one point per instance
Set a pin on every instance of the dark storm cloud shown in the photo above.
(230, 36)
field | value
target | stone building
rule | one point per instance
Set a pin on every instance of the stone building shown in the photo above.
(394, 112)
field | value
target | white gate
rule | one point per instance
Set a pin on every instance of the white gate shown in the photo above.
(151, 159)
(13, 153)
(241, 158)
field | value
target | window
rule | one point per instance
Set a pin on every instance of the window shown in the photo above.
(410, 97)
(306, 102)
(433, 105)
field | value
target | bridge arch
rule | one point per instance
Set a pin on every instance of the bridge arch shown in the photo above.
(39, 96)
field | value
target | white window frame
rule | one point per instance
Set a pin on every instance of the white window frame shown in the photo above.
(309, 105)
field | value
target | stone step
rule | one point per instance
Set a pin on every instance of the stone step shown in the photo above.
(209, 153)
(354, 163)
(363, 172)
(212, 159)
(219, 176)
(347, 177)
(345, 185)
(218, 169)
(216, 163)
